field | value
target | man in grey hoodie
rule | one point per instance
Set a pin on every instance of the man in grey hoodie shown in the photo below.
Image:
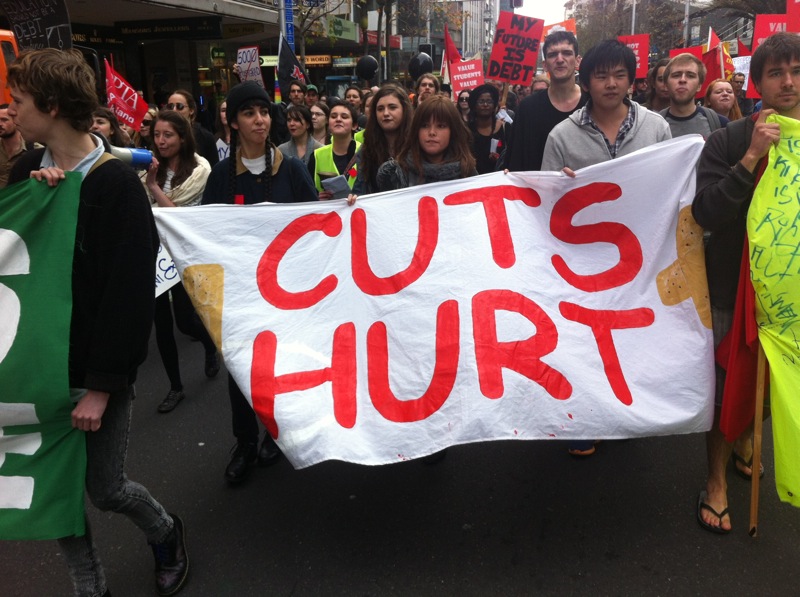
(609, 125)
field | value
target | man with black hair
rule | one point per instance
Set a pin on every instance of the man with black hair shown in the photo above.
(730, 167)
(609, 125)
(538, 113)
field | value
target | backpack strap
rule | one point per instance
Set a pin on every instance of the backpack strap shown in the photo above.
(104, 157)
(713, 119)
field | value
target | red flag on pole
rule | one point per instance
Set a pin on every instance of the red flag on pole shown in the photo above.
(129, 108)
(713, 40)
(743, 49)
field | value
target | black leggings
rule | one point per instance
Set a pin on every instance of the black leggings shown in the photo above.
(188, 323)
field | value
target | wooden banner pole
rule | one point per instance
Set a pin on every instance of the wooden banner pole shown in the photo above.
(758, 424)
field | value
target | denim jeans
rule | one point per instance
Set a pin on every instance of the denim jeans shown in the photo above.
(110, 489)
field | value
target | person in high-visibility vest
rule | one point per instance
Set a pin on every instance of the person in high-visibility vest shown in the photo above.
(338, 158)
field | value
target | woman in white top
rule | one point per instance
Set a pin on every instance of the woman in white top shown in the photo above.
(176, 178)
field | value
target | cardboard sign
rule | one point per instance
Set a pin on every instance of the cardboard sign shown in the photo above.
(519, 306)
(249, 65)
(640, 44)
(516, 49)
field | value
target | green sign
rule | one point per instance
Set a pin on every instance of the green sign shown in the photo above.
(342, 29)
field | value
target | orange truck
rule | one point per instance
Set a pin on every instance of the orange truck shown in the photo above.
(8, 53)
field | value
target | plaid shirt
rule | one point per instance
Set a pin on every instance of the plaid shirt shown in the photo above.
(627, 125)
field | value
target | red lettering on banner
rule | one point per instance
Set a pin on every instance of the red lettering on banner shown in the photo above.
(493, 199)
(601, 323)
(630, 251)
(265, 385)
(444, 371)
(427, 239)
(267, 272)
(522, 356)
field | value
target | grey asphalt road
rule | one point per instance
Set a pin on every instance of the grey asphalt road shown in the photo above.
(501, 518)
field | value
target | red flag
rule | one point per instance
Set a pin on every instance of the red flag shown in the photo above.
(793, 16)
(713, 69)
(713, 40)
(453, 55)
(743, 49)
(693, 50)
(640, 44)
(129, 108)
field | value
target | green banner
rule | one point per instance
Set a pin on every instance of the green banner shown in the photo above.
(773, 232)
(42, 458)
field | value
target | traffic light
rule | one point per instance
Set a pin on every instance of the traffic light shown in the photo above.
(428, 49)
(516, 3)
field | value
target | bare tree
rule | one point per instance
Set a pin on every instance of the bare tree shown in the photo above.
(310, 21)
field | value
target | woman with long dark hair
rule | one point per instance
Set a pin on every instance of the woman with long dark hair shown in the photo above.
(176, 178)
(254, 172)
(104, 122)
(388, 125)
(436, 149)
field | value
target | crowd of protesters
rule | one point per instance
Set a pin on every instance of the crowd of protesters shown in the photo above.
(372, 141)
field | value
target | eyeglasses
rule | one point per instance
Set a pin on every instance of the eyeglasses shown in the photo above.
(485, 102)
(147, 122)
(179, 107)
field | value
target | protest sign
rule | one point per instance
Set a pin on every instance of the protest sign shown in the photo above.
(123, 99)
(793, 16)
(516, 48)
(765, 25)
(42, 458)
(568, 25)
(519, 306)
(37, 25)
(640, 44)
(249, 65)
(742, 65)
(465, 75)
(772, 231)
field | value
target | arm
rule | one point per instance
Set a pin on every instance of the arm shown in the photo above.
(724, 188)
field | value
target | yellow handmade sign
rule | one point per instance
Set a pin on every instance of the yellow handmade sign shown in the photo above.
(773, 230)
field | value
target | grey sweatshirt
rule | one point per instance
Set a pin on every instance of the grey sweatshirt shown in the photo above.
(574, 146)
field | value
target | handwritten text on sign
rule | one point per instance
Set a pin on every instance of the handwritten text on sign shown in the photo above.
(515, 49)
(521, 306)
(774, 240)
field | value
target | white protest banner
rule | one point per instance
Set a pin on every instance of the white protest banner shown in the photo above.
(249, 65)
(519, 306)
(166, 272)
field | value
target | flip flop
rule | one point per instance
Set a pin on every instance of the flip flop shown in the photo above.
(701, 505)
(748, 463)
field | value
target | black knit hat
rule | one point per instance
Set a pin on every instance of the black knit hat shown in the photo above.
(242, 94)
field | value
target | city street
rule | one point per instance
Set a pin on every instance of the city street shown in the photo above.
(502, 518)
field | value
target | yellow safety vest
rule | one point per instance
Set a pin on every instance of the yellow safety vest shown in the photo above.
(323, 163)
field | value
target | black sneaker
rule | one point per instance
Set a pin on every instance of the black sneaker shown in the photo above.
(172, 561)
(169, 403)
(244, 456)
(212, 364)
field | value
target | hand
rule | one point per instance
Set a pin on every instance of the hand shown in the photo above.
(765, 135)
(569, 172)
(88, 413)
(51, 175)
(152, 170)
(351, 199)
(325, 195)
